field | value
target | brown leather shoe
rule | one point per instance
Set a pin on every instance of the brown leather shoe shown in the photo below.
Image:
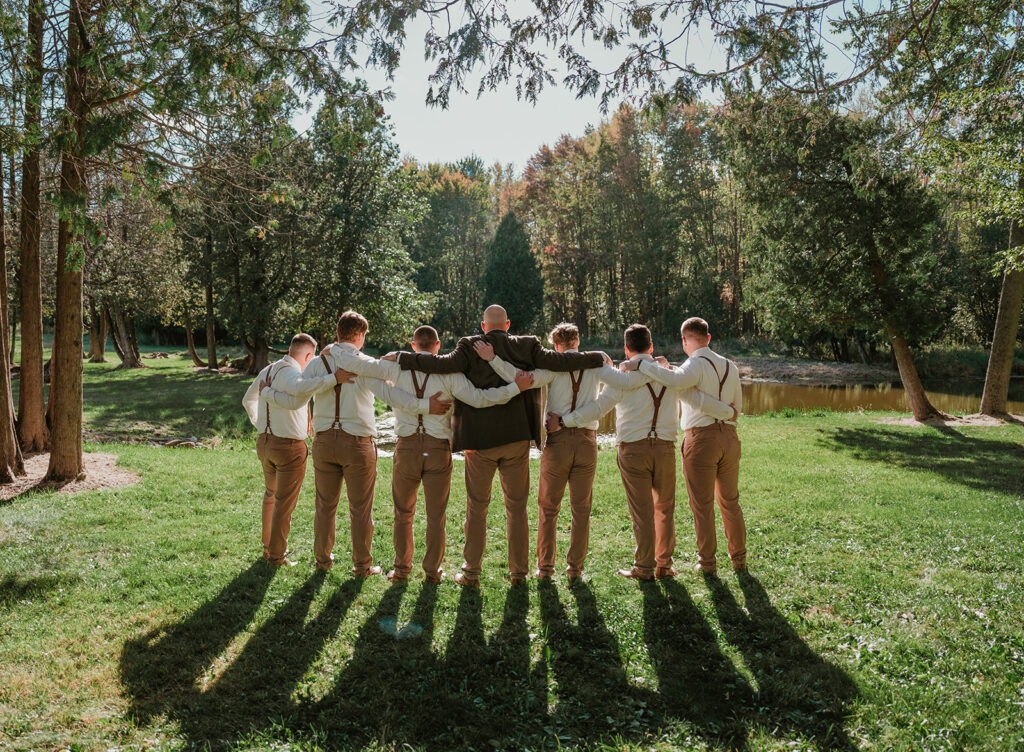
(517, 579)
(461, 578)
(434, 579)
(282, 563)
(540, 574)
(395, 576)
(635, 574)
(573, 576)
(664, 572)
(368, 572)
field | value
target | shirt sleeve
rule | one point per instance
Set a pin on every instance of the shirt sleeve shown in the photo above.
(737, 391)
(593, 410)
(396, 397)
(507, 371)
(624, 382)
(366, 366)
(457, 361)
(463, 390)
(304, 384)
(684, 377)
(251, 400)
(706, 404)
(284, 400)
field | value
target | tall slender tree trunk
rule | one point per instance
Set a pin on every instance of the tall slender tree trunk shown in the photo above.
(31, 413)
(259, 352)
(1004, 336)
(66, 377)
(125, 337)
(191, 342)
(98, 331)
(920, 405)
(211, 323)
(11, 462)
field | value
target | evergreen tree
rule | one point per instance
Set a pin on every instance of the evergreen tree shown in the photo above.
(512, 278)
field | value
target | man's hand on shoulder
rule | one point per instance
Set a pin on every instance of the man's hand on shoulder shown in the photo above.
(391, 356)
(341, 376)
(484, 349)
(439, 406)
(662, 361)
(629, 365)
(607, 359)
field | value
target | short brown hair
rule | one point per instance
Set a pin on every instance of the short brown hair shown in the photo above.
(301, 340)
(564, 334)
(350, 325)
(425, 337)
(696, 326)
(638, 338)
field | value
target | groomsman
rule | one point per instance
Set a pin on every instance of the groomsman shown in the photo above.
(344, 450)
(281, 446)
(497, 438)
(646, 425)
(423, 453)
(570, 455)
(711, 450)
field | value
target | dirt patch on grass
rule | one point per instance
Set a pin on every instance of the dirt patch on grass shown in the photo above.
(101, 472)
(812, 372)
(955, 420)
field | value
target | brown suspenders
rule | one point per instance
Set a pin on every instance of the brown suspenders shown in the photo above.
(653, 433)
(419, 389)
(337, 395)
(576, 377)
(721, 382)
(270, 382)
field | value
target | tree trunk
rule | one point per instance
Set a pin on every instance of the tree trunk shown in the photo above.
(124, 336)
(66, 380)
(1004, 336)
(211, 323)
(11, 462)
(98, 330)
(259, 352)
(14, 338)
(31, 414)
(920, 405)
(192, 343)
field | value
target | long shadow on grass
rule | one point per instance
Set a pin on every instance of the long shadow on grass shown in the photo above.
(174, 673)
(986, 464)
(799, 693)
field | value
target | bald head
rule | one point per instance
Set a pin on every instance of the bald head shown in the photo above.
(495, 318)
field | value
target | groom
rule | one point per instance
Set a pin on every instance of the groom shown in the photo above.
(497, 438)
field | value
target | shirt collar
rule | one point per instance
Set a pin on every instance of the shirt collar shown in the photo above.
(348, 346)
(701, 351)
(642, 356)
(290, 361)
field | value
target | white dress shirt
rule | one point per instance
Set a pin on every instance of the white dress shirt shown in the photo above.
(356, 413)
(559, 384)
(451, 385)
(286, 421)
(634, 410)
(697, 373)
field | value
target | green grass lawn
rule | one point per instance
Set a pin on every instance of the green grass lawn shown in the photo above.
(884, 608)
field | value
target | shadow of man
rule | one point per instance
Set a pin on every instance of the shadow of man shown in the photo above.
(798, 690)
(595, 700)
(697, 682)
(254, 691)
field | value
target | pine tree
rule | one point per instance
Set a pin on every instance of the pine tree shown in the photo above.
(512, 278)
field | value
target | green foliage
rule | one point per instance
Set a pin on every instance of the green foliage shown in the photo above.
(511, 278)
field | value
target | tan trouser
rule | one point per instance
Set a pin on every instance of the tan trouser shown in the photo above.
(711, 464)
(512, 461)
(421, 457)
(570, 456)
(648, 471)
(341, 457)
(284, 467)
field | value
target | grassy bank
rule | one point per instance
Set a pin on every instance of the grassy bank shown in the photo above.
(884, 607)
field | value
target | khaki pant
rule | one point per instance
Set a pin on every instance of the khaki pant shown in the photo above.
(648, 470)
(570, 456)
(711, 464)
(421, 457)
(284, 467)
(512, 461)
(341, 457)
